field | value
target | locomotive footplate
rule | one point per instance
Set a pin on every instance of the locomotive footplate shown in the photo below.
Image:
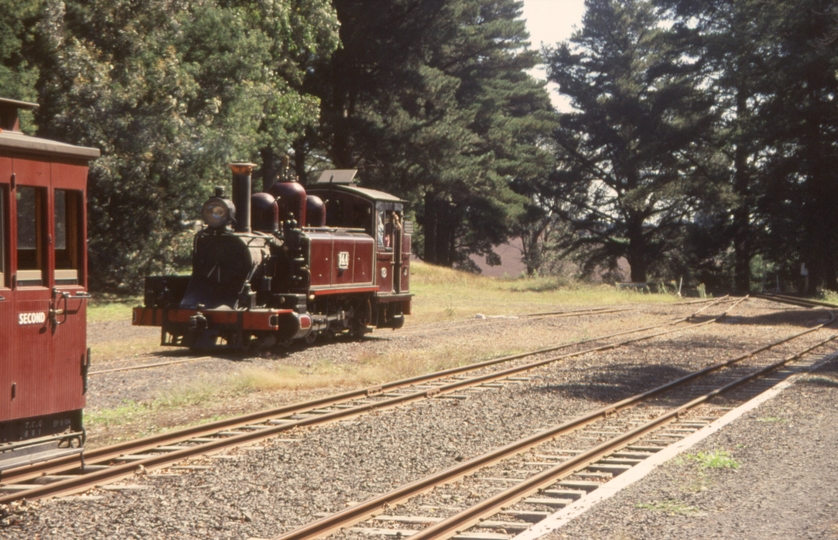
(201, 328)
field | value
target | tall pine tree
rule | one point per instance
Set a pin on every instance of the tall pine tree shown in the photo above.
(430, 98)
(633, 166)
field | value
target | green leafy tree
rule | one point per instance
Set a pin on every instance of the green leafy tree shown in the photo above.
(801, 186)
(736, 43)
(171, 92)
(18, 75)
(633, 166)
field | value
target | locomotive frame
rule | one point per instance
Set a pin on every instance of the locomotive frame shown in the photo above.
(288, 264)
(43, 293)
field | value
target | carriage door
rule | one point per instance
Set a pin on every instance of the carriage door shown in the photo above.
(30, 288)
(68, 315)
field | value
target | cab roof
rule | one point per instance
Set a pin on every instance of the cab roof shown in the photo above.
(361, 192)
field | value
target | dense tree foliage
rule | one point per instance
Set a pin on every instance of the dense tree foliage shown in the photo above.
(633, 149)
(18, 74)
(800, 197)
(172, 91)
(431, 99)
(700, 143)
(724, 112)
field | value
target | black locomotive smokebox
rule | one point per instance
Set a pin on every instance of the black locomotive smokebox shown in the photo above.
(220, 268)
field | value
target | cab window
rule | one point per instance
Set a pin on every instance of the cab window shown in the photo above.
(31, 261)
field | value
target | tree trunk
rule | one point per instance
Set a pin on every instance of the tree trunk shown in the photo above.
(429, 227)
(444, 233)
(742, 212)
(300, 155)
(636, 256)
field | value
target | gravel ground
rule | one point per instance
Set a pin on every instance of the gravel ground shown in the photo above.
(265, 491)
(786, 485)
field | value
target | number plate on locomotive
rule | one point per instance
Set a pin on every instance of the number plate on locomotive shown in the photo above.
(343, 260)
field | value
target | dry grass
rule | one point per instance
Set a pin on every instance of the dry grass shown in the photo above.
(369, 368)
(126, 348)
(445, 294)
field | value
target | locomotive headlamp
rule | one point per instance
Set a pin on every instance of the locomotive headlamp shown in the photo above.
(218, 212)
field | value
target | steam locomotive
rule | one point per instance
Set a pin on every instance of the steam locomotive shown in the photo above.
(287, 264)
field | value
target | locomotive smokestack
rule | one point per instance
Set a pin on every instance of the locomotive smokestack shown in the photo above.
(241, 194)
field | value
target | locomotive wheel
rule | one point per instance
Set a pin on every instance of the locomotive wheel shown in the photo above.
(358, 330)
(310, 338)
(265, 342)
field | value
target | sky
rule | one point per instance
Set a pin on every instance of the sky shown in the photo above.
(551, 21)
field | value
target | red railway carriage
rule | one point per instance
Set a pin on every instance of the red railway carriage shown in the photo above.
(287, 264)
(43, 292)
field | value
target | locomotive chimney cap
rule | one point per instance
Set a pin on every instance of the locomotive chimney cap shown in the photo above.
(242, 168)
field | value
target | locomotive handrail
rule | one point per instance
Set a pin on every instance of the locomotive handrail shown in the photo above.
(336, 229)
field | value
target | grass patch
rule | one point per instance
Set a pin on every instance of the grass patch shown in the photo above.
(716, 459)
(101, 309)
(772, 419)
(673, 508)
(287, 378)
(126, 413)
(109, 350)
(821, 380)
(828, 296)
(445, 294)
(141, 416)
(368, 369)
(197, 392)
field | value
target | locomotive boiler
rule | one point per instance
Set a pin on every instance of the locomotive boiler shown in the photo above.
(287, 264)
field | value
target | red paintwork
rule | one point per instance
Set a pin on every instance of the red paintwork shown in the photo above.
(347, 290)
(326, 249)
(291, 197)
(254, 320)
(41, 363)
(384, 272)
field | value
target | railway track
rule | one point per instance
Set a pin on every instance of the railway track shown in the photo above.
(117, 365)
(66, 476)
(458, 325)
(154, 360)
(794, 300)
(523, 482)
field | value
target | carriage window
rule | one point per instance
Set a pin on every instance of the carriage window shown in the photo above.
(67, 229)
(30, 229)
